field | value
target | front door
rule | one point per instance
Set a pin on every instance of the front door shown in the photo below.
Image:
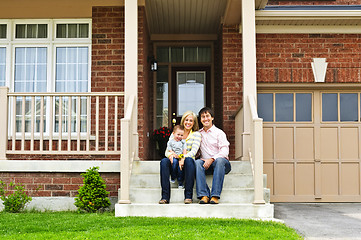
(190, 90)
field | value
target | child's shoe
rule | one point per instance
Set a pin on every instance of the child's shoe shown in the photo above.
(180, 186)
(172, 180)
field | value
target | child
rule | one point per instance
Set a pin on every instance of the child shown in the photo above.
(177, 148)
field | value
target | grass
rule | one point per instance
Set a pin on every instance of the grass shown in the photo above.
(72, 225)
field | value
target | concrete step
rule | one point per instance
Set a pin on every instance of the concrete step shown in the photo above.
(229, 195)
(230, 181)
(148, 167)
(262, 211)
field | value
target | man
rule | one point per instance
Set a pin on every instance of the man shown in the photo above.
(214, 159)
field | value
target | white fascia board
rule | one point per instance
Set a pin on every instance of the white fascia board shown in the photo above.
(308, 29)
(68, 166)
(311, 14)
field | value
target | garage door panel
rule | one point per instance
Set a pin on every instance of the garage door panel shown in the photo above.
(349, 143)
(305, 144)
(267, 143)
(329, 143)
(305, 179)
(268, 169)
(329, 179)
(350, 184)
(284, 175)
(284, 143)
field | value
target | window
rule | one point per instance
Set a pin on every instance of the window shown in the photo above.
(3, 31)
(42, 59)
(285, 107)
(341, 107)
(31, 31)
(184, 54)
(72, 30)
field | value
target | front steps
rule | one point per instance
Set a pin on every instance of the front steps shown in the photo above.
(236, 199)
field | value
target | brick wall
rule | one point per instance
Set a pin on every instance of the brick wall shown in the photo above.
(145, 122)
(57, 184)
(288, 57)
(324, 2)
(232, 80)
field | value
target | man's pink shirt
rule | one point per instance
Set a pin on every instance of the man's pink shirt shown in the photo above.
(214, 143)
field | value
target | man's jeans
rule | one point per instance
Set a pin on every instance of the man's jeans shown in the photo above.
(189, 175)
(218, 168)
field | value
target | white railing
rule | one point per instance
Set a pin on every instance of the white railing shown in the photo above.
(256, 151)
(128, 149)
(59, 123)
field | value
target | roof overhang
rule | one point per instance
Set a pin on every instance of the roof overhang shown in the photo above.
(233, 14)
(308, 21)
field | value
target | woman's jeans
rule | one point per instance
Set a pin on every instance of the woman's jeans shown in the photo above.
(189, 171)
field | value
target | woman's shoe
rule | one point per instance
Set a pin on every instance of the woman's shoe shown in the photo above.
(163, 201)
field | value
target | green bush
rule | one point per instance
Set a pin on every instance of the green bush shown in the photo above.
(92, 195)
(16, 201)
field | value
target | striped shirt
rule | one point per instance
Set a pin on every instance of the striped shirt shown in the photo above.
(193, 142)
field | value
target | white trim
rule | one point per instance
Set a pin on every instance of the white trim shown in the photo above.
(57, 166)
(309, 29)
(308, 18)
(301, 14)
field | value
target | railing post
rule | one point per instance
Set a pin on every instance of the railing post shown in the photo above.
(258, 162)
(3, 121)
(124, 162)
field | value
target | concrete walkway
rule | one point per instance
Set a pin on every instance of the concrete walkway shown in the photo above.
(318, 221)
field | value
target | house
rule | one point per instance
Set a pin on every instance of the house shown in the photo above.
(85, 83)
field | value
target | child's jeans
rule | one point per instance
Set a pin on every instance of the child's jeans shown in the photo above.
(176, 172)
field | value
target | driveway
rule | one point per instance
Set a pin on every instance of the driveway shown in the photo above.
(316, 221)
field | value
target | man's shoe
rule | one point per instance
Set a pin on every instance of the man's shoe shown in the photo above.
(163, 201)
(188, 201)
(214, 200)
(204, 200)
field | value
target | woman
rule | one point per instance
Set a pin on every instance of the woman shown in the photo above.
(193, 139)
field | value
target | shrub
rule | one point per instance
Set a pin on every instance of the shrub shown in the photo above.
(92, 195)
(16, 201)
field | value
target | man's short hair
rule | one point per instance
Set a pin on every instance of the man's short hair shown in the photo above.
(206, 110)
(176, 127)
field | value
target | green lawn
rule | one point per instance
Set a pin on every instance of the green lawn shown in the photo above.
(71, 225)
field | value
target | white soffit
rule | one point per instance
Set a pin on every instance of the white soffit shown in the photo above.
(184, 16)
(296, 21)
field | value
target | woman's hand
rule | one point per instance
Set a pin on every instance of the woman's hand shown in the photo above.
(181, 164)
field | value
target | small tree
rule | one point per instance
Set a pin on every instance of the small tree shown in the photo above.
(92, 195)
(16, 201)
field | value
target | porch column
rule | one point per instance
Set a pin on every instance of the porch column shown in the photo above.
(3, 122)
(131, 62)
(249, 68)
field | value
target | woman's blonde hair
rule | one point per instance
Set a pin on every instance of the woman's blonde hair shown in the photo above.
(195, 120)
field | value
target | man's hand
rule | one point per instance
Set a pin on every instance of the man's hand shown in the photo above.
(207, 162)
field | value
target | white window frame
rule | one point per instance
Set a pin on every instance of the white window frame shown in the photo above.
(51, 43)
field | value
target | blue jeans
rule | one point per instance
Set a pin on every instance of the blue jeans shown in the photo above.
(177, 173)
(218, 168)
(189, 175)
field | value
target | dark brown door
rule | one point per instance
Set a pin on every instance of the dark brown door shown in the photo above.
(191, 87)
